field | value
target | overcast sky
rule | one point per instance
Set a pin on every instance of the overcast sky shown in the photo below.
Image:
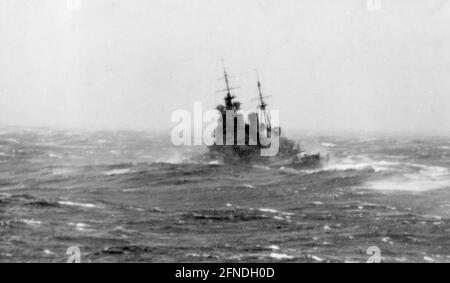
(329, 65)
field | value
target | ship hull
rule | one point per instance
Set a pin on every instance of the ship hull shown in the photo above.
(252, 154)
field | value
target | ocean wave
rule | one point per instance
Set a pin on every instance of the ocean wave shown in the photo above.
(356, 163)
(380, 166)
(63, 171)
(273, 247)
(233, 215)
(274, 211)
(55, 155)
(26, 200)
(361, 162)
(42, 203)
(291, 171)
(117, 172)
(103, 142)
(246, 186)
(13, 141)
(328, 144)
(426, 179)
(176, 158)
(82, 227)
(128, 249)
(215, 162)
(280, 256)
(78, 204)
(48, 252)
(31, 222)
(200, 200)
(267, 168)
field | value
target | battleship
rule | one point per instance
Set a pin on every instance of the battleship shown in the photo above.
(289, 152)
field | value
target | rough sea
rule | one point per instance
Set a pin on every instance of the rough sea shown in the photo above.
(134, 197)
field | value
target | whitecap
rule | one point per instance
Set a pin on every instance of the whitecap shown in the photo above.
(328, 144)
(316, 258)
(117, 172)
(426, 179)
(48, 252)
(268, 210)
(248, 186)
(124, 230)
(359, 163)
(377, 166)
(261, 167)
(280, 256)
(274, 211)
(138, 209)
(273, 247)
(80, 226)
(387, 240)
(84, 205)
(176, 158)
(31, 222)
(54, 155)
(397, 156)
(289, 170)
(132, 190)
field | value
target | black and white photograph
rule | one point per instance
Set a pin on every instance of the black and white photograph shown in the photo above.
(224, 132)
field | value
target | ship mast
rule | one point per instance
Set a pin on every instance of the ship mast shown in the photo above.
(229, 103)
(263, 106)
(229, 98)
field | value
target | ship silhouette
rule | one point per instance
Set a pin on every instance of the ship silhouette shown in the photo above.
(244, 147)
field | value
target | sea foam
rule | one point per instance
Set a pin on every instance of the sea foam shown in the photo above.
(427, 178)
